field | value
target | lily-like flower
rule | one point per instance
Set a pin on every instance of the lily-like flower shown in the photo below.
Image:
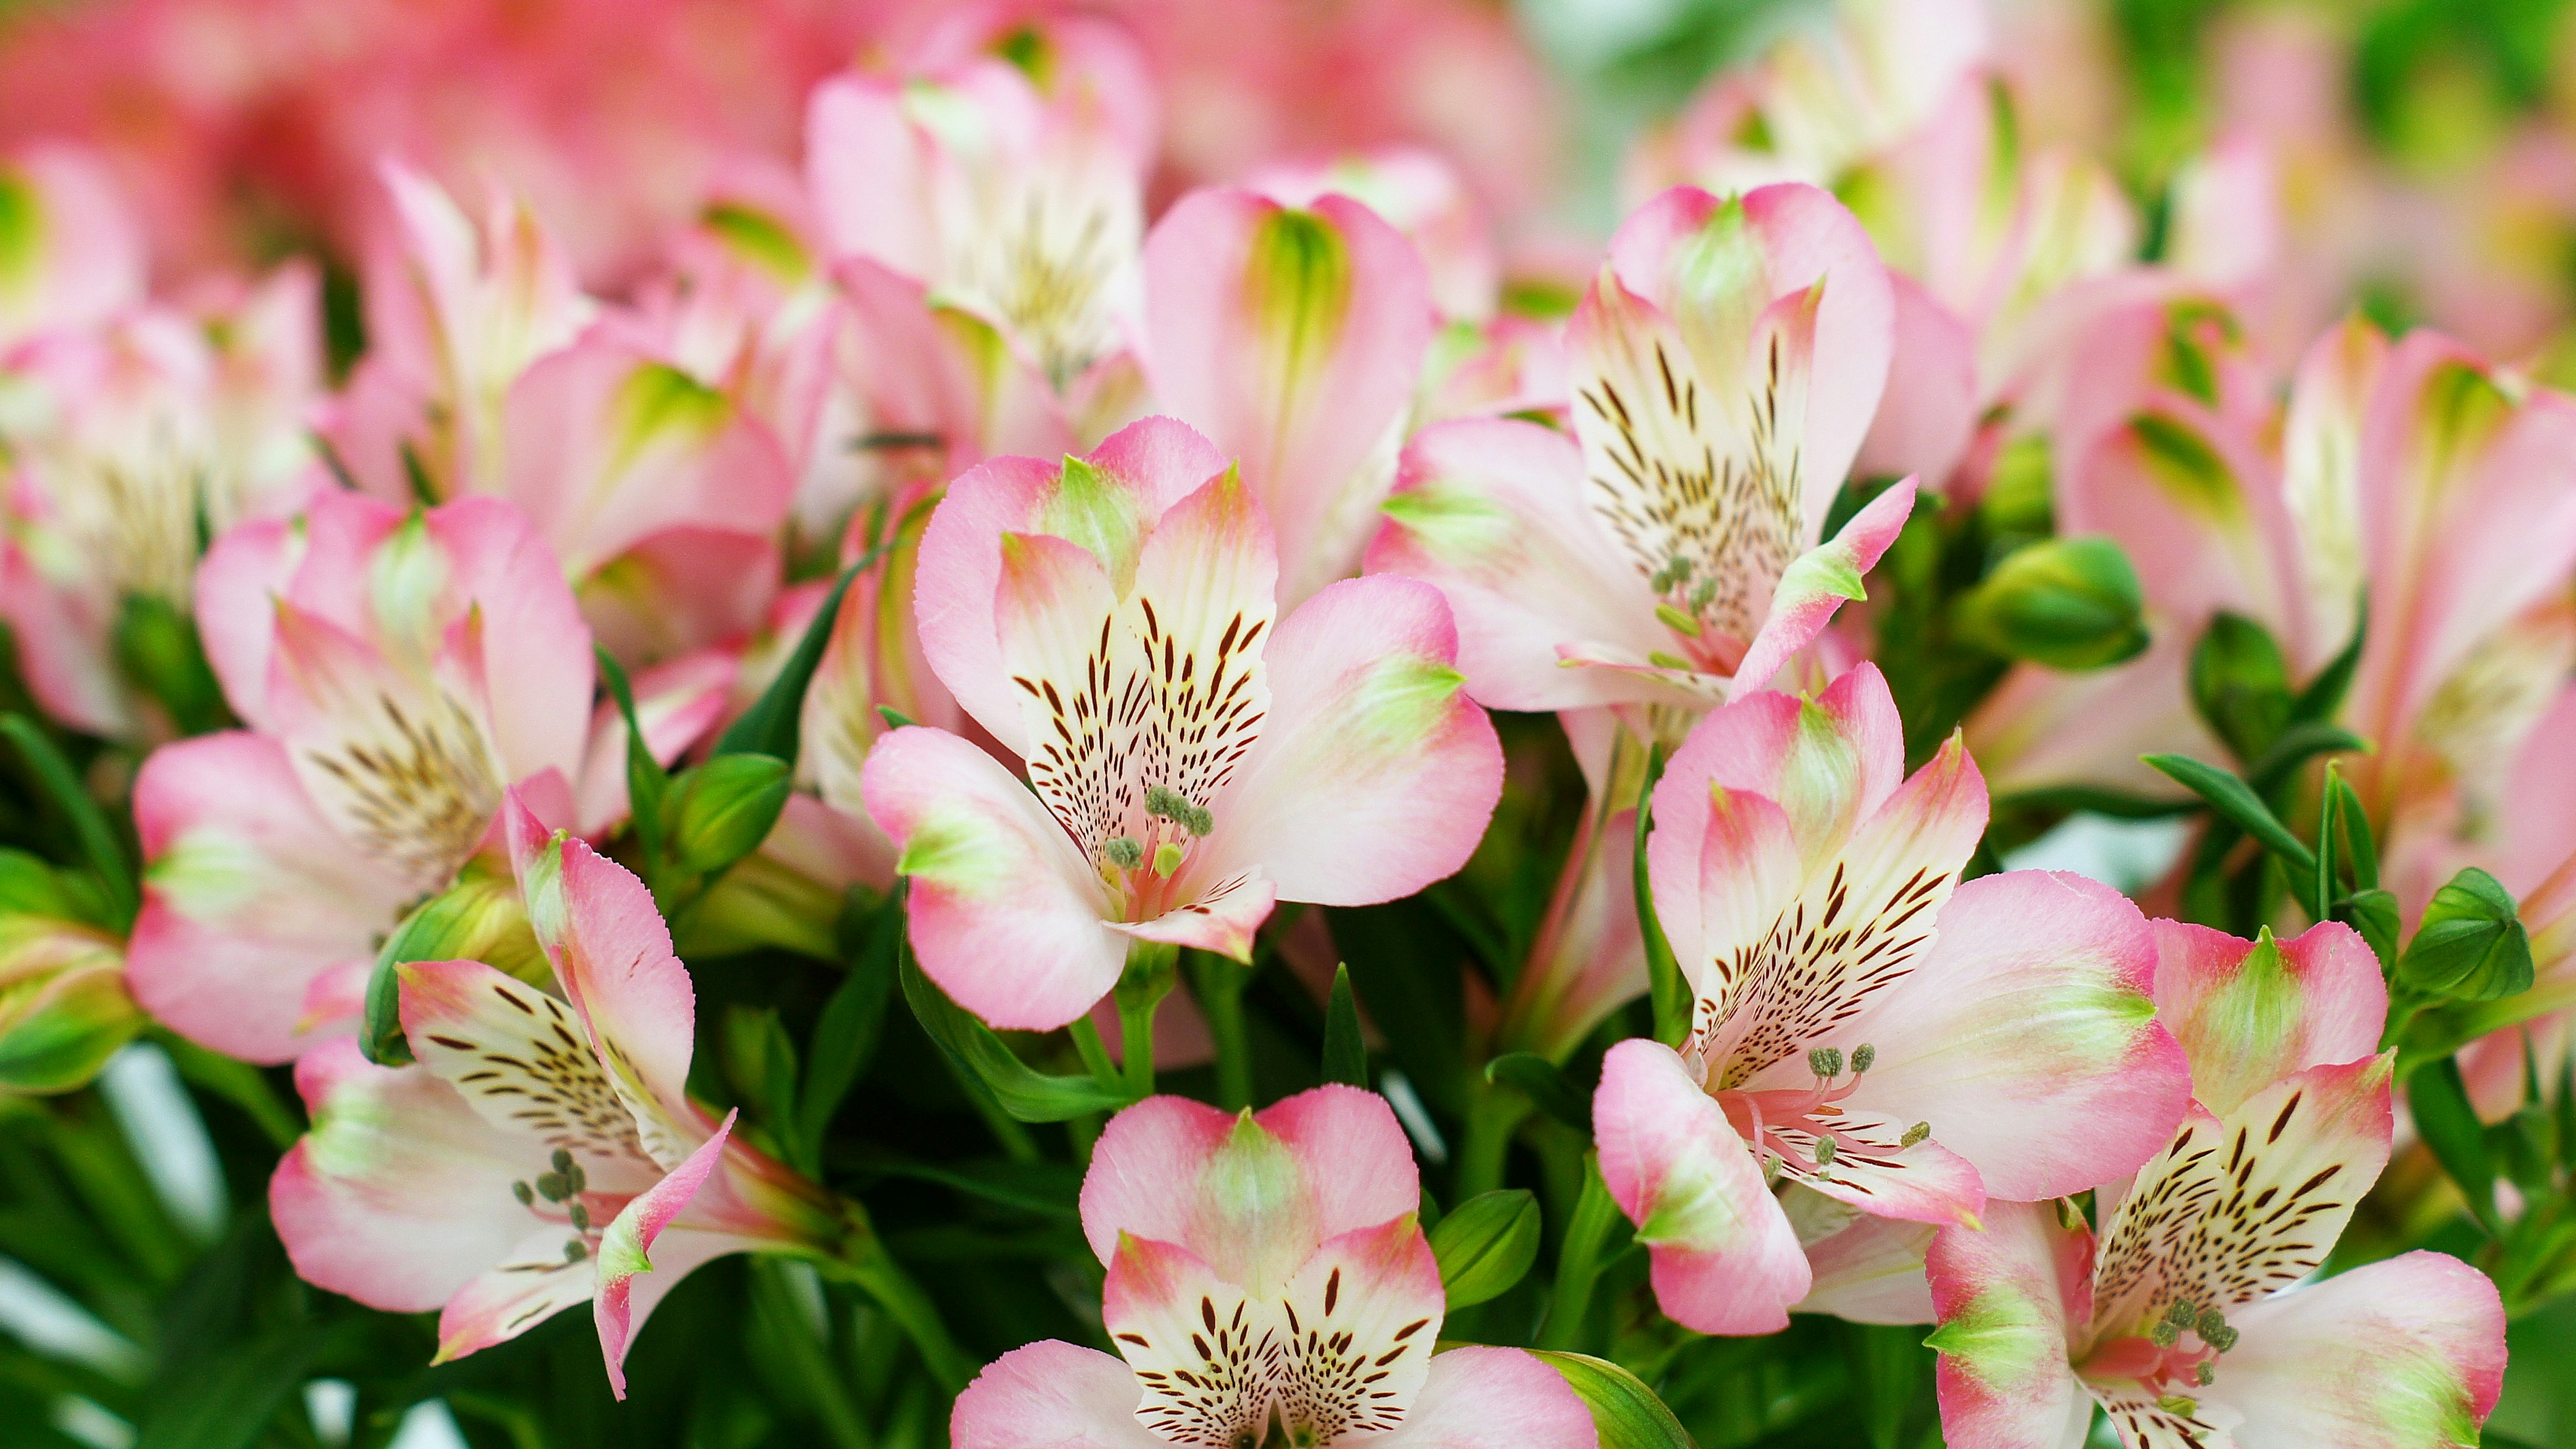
(544, 1151)
(399, 672)
(2187, 1318)
(1113, 622)
(1725, 365)
(1294, 338)
(659, 493)
(1005, 173)
(1268, 1284)
(133, 440)
(1864, 1026)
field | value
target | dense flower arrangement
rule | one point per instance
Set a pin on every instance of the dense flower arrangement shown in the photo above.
(1089, 749)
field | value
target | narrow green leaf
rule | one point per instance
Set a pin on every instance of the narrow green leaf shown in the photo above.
(1345, 1055)
(2239, 685)
(2439, 1102)
(1624, 1411)
(1486, 1245)
(2324, 694)
(1595, 1231)
(1024, 1092)
(846, 1036)
(227, 1397)
(1667, 990)
(772, 724)
(98, 839)
(646, 780)
(2237, 804)
(1538, 1079)
(2295, 746)
(2359, 849)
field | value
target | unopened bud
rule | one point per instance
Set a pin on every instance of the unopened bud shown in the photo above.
(2069, 603)
(1124, 852)
(1863, 1058)
(1826, 1062)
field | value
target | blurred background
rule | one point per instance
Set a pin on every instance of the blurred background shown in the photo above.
(2424, 153)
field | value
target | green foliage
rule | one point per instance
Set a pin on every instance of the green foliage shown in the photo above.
(1486, 1244)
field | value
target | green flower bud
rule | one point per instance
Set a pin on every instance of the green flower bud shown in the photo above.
(2472, 945)
(1486, 1245)
(480, 918)
(2069, 603)
(720, 811)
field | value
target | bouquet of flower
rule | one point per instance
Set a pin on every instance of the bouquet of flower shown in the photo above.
(1093, 728)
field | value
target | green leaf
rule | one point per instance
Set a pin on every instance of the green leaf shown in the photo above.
(2237, 804)
(847, 1034)
(2240, 686)
(720, 811)
(2295, 746)
(98, 840)
(1624, 1411)
(2439, 1102)
(1667, 990)
(771, 725)
(2324, 694)
(1538, 1079)
(760, 1066)
(1486, 1245)
(1345, 1055)
(2373, 913)
(646, 780)
(226, 1398)
(156, 648)
(1024, 1092)
(2067, 603)
(2360, 851)
(2471, 945)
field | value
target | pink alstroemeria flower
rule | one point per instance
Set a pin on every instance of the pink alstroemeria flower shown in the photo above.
(1725, 365)
(398, 674)
(490, 373)
(1005, 173)
(1864, 1026)
(2186, 1318)
(1113, 622)
(1268, 1283)
(544, 1150)
(132, 440)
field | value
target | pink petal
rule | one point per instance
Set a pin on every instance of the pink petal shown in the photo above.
(237, 579)
(400, 1194)
(67, 654)
(625, 1247)
(2248, 1016)
(2404, 1352)
(1493, 1398)
(248, 895)
(535, 1280)
(1224, 919)
(1492, 511)
(2011, 1298)
(1370, 1302)
(2027, 1039)
(1004, 912)
(1196, 1339)
(1929, 411)
(1829, 763)
(537, 667)
(1357, 1161)
(1870, 1270)
(1373, 775)
(1725, 1259)
(1876, 1171)
(682, 589)
(924, 369)
(1720, 889)
(1293, 339)
(88, 254)
(1144, 1168)
(1819, 582)
(612, 954)
(1051, 1395)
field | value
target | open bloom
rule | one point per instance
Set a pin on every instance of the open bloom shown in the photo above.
(398, 673)
(544, 1150)
(1725, 365)
(1864, 1026)
(659, 493)
(1268, 1284)
(2186, 1318)
(1112, 621)
(133, 440)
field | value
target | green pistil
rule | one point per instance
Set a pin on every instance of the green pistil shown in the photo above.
(2177, 1404)
(1167, 858)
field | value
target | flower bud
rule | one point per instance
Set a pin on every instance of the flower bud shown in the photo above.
(1486, 1245)
(480, 918)
(2069, 603)
(720, 811)
(63, 1006)
(2472, 945)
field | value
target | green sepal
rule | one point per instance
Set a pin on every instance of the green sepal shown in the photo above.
(1345, 1054)
(1486, 1245)
(1625, 1412)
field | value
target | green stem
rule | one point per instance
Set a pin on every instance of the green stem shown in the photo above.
(1494, 1114)
(865, 1263)
(1151, 966)
(804, 1346)
(1095, 1053)
(1218, 984)
(1578, 1263)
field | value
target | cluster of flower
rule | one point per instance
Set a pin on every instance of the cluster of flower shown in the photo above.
(943, 525)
